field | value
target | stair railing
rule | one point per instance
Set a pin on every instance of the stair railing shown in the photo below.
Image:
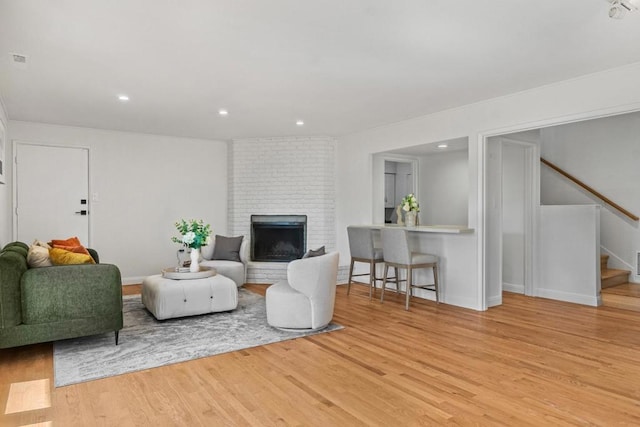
(590, 190)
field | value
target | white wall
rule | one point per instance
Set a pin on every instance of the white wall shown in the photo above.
(588, 96)
(444, 188)
(5, 189)
(605, 154)
(145, 183)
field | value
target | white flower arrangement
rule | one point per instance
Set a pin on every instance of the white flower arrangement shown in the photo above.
(195, 234)
(410, 203)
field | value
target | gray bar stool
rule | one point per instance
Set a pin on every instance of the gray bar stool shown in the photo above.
(395, 244)
(362, 250)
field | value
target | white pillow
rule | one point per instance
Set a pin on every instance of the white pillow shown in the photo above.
(38, 256)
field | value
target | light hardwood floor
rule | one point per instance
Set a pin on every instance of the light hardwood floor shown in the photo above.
(528, 362)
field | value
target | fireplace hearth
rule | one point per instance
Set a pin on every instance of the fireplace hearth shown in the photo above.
(278, 238)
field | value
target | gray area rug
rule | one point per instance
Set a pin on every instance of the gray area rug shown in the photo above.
(148, 343)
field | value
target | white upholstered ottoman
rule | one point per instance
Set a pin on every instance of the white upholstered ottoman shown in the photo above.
(168, 298)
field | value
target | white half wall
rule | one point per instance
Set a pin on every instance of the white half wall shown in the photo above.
(570, 253)
(143, 183)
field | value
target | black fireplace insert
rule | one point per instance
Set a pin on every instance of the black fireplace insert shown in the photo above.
(278, 238)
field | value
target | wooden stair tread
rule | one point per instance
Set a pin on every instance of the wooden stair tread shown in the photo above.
(613, 272)
(626, 289)
(625, 296)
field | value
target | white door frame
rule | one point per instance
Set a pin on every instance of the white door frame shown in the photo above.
(493, 257)
(531, 217)
(14, 147)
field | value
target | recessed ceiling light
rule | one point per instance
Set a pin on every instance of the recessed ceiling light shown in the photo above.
(442, 145)
(299, 123)
(123, 98)
(223, 112)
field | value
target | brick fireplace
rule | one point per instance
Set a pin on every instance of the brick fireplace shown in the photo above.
(282, 176)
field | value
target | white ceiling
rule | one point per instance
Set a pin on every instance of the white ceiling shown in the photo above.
(339, 65)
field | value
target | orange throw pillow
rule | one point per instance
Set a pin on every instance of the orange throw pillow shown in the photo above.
(72, 244)
(71, 241)
(63, 257)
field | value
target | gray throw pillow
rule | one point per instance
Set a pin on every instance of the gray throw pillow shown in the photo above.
(314, 252)
(227, 248)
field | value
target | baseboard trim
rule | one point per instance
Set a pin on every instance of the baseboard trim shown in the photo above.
(135, 280)
(593, 301)
(511, 287)
(493, 301)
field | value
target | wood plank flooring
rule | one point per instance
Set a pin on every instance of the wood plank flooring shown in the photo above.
(529, 362)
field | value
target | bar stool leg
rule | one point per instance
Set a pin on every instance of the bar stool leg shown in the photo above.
(372, 276)
(395, 276)
(435, 282)
(350, 275)
(409, 283)
(384, 282)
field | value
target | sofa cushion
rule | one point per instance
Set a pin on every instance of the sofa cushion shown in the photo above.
(64, 257)
(227, 248)
(232, 269)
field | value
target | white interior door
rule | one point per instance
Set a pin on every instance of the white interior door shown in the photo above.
(52, 188)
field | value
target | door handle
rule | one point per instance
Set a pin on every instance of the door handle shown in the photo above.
(83, 212)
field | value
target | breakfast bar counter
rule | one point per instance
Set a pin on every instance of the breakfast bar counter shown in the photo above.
(455, 246)
(448, 229)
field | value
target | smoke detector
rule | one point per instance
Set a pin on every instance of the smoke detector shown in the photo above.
(619, 8)
(19, 60)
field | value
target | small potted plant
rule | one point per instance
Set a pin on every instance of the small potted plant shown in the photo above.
(194, 235)
(411, 207)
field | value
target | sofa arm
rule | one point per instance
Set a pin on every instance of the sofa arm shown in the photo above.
(70, 292)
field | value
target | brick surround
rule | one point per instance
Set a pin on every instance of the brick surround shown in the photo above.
(283, 176)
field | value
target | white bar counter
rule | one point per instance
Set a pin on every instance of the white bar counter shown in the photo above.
(456, 246)
(449, 229)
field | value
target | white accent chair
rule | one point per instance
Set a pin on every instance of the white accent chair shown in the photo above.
(234, 270)
(306, 299)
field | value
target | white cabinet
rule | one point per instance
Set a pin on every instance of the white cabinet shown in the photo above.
(389, 190)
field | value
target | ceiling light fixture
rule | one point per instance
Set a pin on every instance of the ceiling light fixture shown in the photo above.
(123, 98)
(442, 145)
(223, 112)
(300, 123)
(619, 8)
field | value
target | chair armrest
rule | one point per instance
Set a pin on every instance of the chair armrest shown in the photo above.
(244, 250)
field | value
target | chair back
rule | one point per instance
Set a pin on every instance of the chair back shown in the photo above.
(395, 244)
(316, 278)
(360, 242)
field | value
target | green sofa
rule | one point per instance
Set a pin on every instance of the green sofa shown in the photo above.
(53, 303)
